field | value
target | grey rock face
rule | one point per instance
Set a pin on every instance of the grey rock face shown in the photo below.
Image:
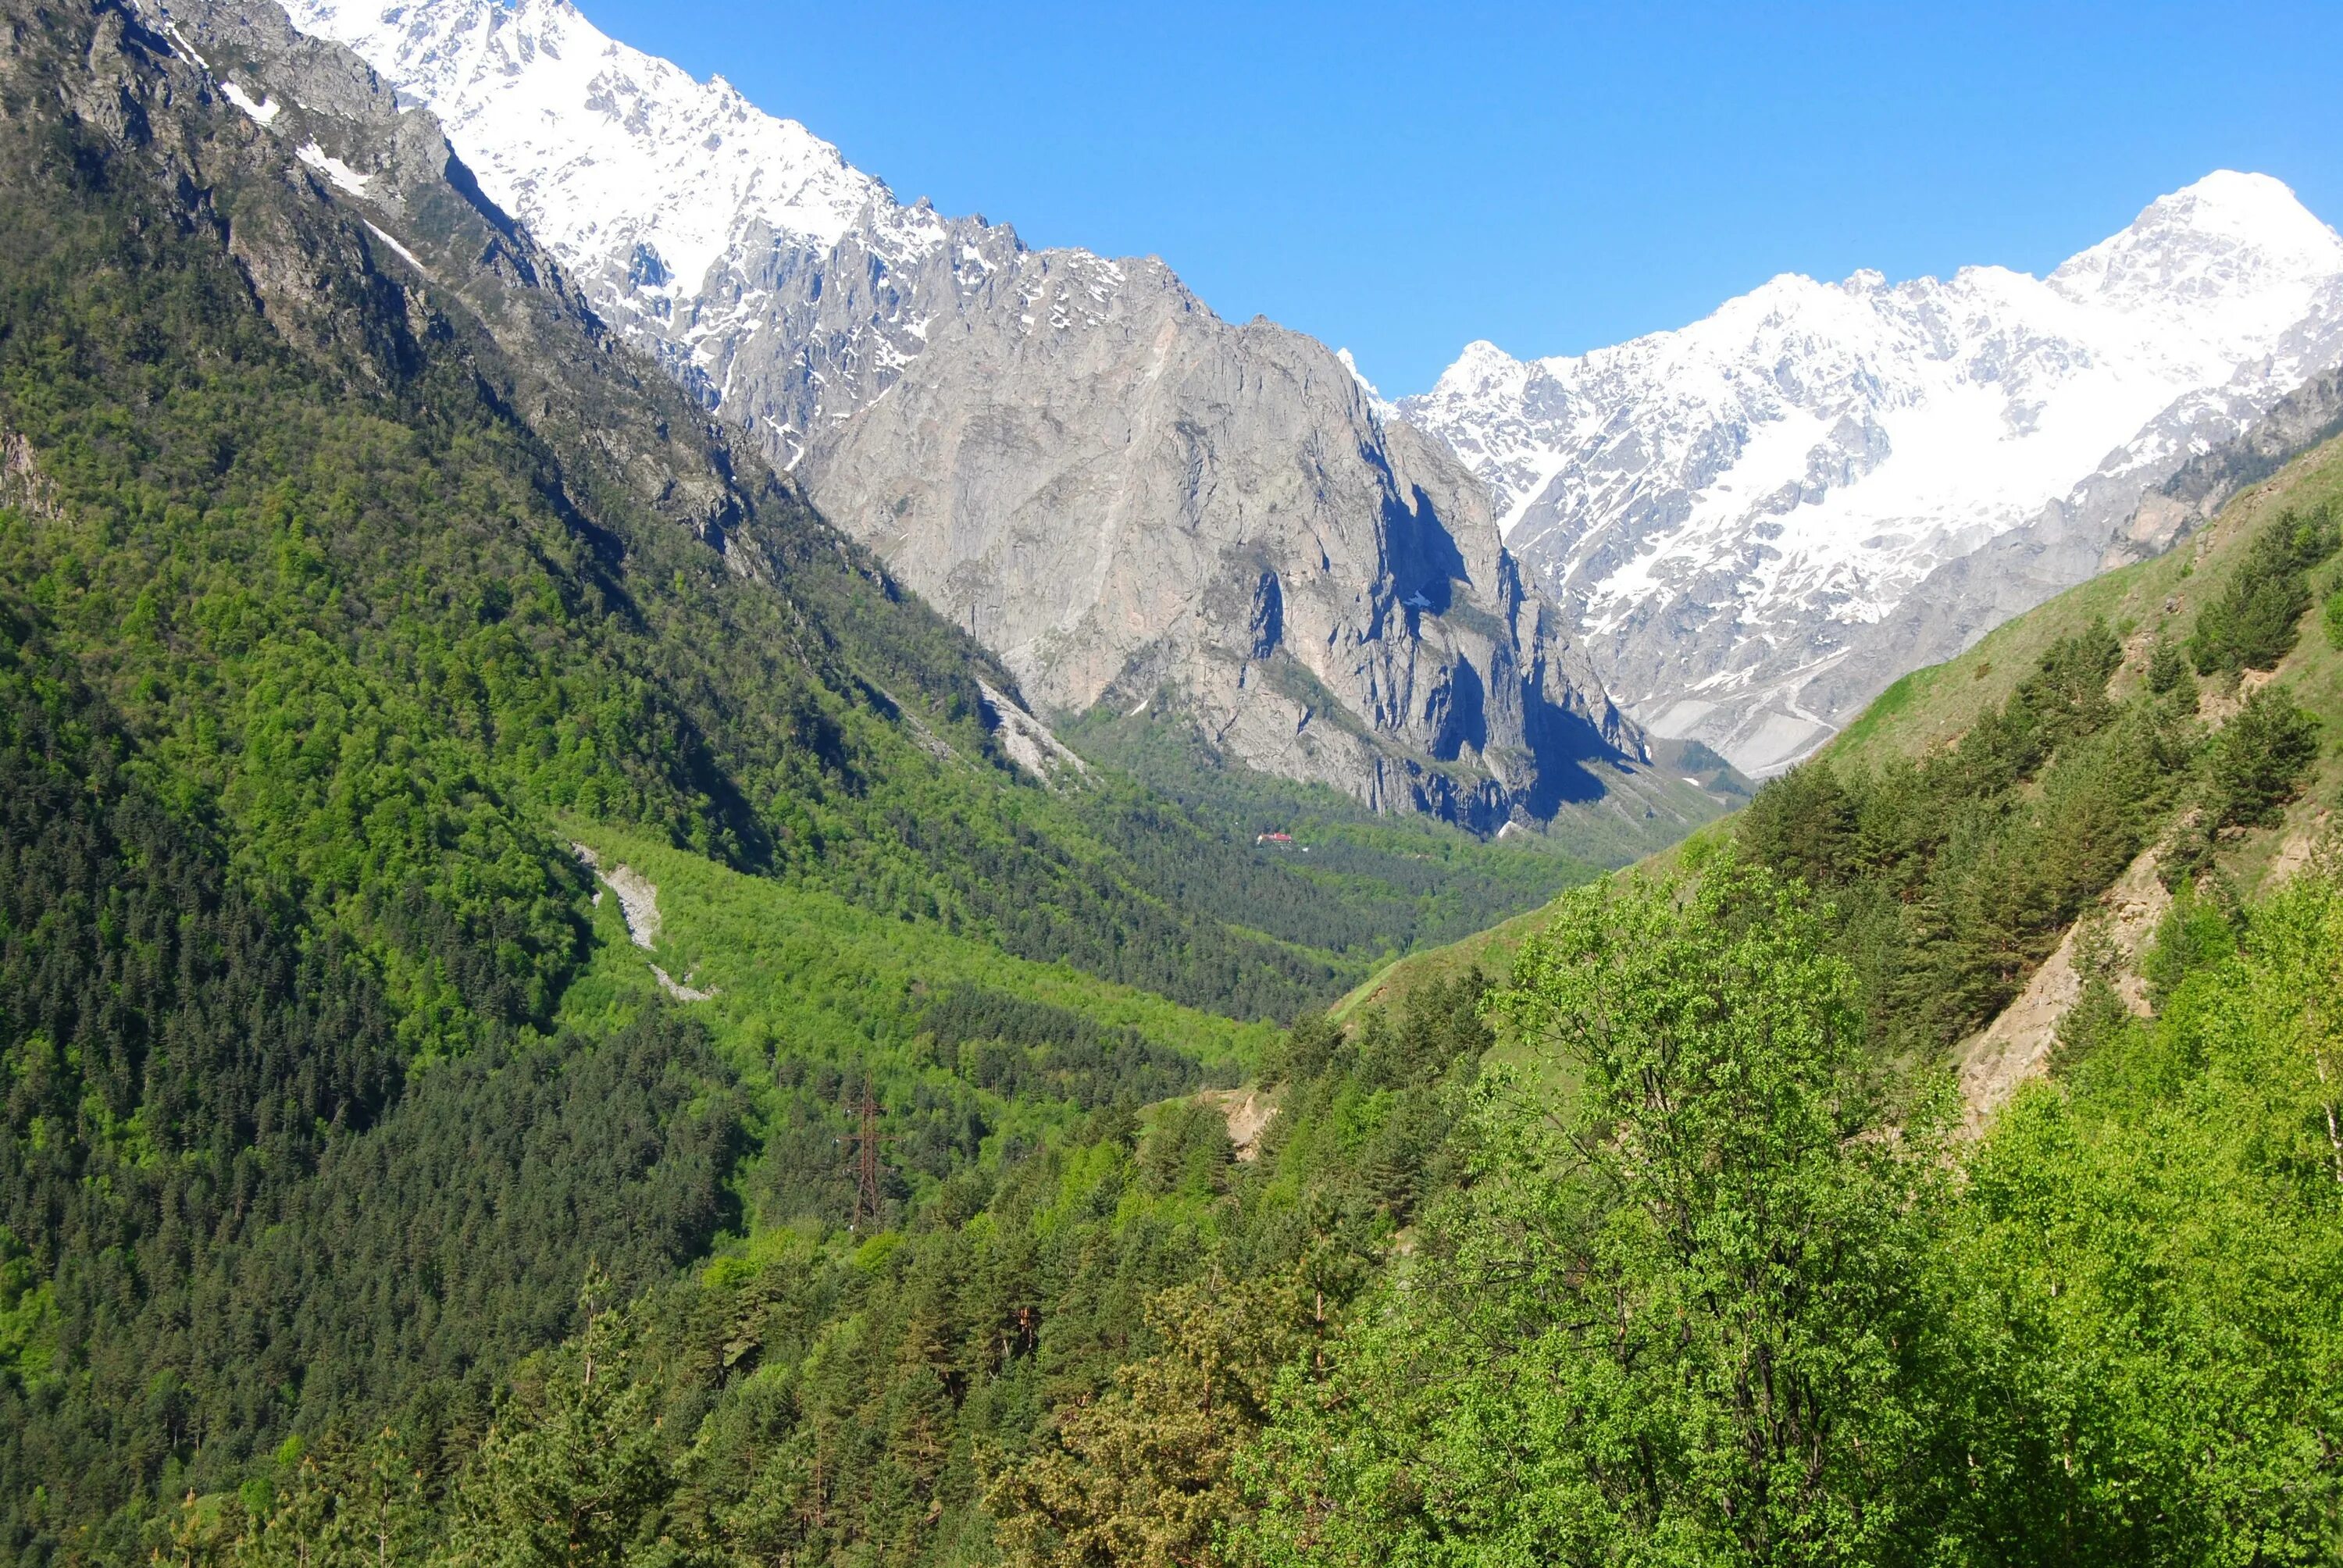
(393, 212)
(2309, 416)
(1127, 498)
(426, 219)
(1132, 500)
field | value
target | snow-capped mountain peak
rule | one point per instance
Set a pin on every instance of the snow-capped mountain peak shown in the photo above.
(2237, 242)
(1730, 505)
(1382, 406)
(1728, 509)
(607, 151)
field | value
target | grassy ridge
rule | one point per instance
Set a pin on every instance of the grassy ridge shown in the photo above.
(2167, 597)
(1931, 707)
(806, 970)
(805, 989)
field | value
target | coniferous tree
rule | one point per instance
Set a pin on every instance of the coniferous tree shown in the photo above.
(2168, 667)
(572, 1474)
(2252, 623)
(1145, 1476)
(2259, 757)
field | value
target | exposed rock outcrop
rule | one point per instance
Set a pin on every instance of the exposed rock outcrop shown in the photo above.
(1132, 500)
(2015, 1047)
(1124, 496)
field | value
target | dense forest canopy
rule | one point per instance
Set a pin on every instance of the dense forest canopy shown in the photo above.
(1681, 1277)
(333, 612)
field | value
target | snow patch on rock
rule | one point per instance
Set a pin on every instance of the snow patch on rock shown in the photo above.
(262, 113)
(1070, 452)
(404, 254)
(344, 176)
(613, 157)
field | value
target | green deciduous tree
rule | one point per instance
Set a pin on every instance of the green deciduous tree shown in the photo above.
(1677, 1315)
(2148, 1278)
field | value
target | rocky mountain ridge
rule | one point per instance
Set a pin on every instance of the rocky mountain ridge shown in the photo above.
(1130, 500)
(1764, 518)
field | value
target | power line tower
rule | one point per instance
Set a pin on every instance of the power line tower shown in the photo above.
(867, 1138)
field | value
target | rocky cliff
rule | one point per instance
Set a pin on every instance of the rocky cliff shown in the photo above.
(1133, 501)
(1126, 498)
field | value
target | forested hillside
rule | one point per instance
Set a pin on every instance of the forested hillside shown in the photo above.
(1681, 1275)
(1739, 1266)
(344, 601)
(1975, 741)
(1713, 1289)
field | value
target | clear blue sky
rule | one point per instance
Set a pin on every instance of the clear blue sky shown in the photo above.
(1403, 179)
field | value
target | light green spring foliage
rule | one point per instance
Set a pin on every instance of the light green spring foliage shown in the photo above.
(1714, 1311)
(2149, 1274)
(1674, 1319)
(367, 646)
(1698, 1293)
(1145, 1476)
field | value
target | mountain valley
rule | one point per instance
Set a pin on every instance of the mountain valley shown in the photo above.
(696, 869)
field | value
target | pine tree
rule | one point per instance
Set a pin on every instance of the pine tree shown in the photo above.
(572, 1477)
(2168, 669)
(379, 1517)
(1145, 1476)
(2098, 1014)
(2259, 758)
(298, 1531)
